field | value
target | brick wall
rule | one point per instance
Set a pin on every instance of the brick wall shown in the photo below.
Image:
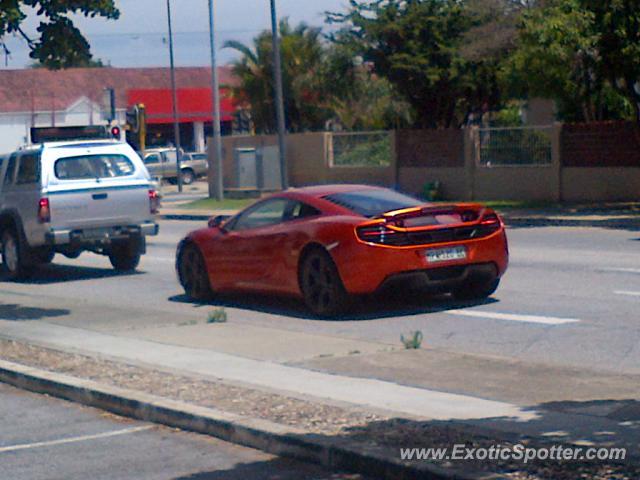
(601, 144)
(430, 148)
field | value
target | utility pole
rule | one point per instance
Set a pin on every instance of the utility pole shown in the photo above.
(216, 185)
(176, 124)
(277, 74)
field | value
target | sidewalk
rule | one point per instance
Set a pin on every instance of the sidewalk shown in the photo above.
(361, 417)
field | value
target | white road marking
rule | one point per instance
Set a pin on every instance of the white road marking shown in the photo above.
(629, 294)
(622, 270)
(514, 317)
(84, 438)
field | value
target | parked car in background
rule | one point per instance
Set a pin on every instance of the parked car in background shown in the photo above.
(70, 197)
(327, 243)
(163, 163)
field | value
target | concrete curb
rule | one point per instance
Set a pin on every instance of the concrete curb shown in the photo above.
(619, 224)
(514, 222)
(331, 453)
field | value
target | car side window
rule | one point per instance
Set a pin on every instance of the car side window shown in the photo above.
(152, 159)
(11, 170)
(299, 210)
(270, 212)
(29, 169)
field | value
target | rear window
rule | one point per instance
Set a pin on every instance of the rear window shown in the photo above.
(93, 166)
(373, 203)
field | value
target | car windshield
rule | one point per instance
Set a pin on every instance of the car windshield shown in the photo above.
(373, 203)
(93, 166)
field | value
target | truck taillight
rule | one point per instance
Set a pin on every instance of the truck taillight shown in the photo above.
(44, 212)
(154, 201)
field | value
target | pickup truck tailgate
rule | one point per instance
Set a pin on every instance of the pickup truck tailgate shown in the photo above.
(104, 204)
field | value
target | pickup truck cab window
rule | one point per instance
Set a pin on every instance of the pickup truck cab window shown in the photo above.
(93, 166)
(29, 169)
(152, 159)
(11, 170)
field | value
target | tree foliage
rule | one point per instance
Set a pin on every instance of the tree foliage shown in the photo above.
(432, 51)
(583, 54)
(60, 43)
(324, 85)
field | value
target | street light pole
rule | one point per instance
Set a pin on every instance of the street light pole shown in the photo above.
(277, 74)
(216, 185)
(176, 124)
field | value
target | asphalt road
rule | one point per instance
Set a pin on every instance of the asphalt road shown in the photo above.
(570, 298)
(46, 438)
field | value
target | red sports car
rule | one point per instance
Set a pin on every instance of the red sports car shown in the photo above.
(328, 243)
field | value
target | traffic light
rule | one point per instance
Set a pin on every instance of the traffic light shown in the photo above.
(137, 123)
(115, 132)
(133, 119)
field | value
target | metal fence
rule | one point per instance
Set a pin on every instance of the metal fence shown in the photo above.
(513, 146)
(360, 149)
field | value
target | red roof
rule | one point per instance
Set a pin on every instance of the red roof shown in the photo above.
(194, 104)
(40, 89)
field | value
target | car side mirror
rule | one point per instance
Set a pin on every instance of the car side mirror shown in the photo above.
(216, 222)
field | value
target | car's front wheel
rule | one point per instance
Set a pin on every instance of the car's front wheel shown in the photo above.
(192, 273)
(476, 289)
(321, 285)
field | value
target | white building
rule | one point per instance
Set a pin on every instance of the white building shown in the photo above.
(33, 99)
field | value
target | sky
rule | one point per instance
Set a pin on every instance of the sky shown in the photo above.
(139, 37)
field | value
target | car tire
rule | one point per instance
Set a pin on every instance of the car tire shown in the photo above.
(192, 273)
(15, 257)
(476, 290)
(125, 256)
(321, 285)
(188, 176)
(44, 256)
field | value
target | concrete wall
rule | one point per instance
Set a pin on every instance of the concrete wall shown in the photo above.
(603, 184)
(307, 160)
(448, 156)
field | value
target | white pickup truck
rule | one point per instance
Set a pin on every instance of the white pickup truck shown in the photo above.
(70, 197)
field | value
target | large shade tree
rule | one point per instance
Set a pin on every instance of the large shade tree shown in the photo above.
(433, 52)
(584, 54)
(58, 43)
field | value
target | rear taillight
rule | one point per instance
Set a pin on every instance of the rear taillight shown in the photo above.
(44, 211)
(382, 235)
(491, 222)
(154, 202)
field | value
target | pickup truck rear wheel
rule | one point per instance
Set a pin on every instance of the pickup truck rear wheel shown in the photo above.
(44, 255)
(15, 256)
(125, 256)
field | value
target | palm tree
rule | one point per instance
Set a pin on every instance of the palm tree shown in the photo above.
(302, 58)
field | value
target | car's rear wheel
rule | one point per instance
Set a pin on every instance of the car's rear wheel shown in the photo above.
(476, 289)
(321, 284)
(125, 256)
(15, 257)
(192, 272)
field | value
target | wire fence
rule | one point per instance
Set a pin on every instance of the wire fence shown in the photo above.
(514, 146)
(360, 149)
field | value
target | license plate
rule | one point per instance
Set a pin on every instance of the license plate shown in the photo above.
(446, 254)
